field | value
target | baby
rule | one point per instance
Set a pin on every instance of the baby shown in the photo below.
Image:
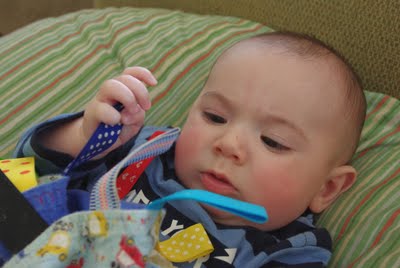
(276, 124)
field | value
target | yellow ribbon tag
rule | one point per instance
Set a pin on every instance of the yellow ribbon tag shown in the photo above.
(186, 245)
(20, 171)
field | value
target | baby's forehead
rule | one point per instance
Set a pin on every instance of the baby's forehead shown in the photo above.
(324, 75)
(303, 48)
(298, 52)
(262, 50)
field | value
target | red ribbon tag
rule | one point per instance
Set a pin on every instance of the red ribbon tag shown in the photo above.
(131, 174)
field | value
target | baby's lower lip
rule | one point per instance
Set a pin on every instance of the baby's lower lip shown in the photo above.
(213, 184)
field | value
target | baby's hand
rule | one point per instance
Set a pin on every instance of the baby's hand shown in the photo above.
(130, 90)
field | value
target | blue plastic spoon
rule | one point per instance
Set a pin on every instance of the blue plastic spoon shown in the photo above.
(243, 209)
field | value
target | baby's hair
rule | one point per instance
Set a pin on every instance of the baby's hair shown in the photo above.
(306, 46)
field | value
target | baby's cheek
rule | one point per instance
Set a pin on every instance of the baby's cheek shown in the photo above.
(187, 151)
(282, 196)
(188, 141)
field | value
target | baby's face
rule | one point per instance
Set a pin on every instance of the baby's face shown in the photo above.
(263, 130)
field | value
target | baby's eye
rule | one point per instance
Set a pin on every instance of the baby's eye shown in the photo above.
(214, 118)
(273, 144)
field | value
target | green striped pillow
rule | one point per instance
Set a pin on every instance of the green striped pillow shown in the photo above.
(56, 65)
(365, 221)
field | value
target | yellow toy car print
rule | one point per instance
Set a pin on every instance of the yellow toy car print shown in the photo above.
(97, 224)
(58, 244)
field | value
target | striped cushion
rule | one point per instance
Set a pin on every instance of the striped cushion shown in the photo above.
(56, 65)
(365, 221)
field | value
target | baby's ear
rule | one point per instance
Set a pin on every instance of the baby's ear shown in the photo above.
(339, 180)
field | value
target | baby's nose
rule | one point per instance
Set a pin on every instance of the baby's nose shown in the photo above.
(231, 145)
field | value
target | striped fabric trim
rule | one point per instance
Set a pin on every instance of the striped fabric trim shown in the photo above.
(56, 65)
(104, 194)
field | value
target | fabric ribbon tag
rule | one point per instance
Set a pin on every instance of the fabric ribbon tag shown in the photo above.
(186, 245)
(103, 138)
(20, 171)
(104, 194)
(131, 174)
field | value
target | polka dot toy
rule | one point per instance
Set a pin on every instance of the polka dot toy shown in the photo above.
(186, 245)
(20, 171)
(102, 139)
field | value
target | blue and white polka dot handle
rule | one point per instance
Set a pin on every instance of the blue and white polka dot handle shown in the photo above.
(102, 139)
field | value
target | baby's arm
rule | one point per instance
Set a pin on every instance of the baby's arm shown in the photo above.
(128, 89)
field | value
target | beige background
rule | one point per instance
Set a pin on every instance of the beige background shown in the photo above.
(17, 13)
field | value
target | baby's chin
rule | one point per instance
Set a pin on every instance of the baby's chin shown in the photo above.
(229, 219)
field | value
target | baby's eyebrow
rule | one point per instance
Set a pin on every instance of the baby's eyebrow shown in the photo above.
(219, 97)
(281, 120)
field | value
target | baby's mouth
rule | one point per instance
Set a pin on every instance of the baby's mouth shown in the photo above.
(217, 183)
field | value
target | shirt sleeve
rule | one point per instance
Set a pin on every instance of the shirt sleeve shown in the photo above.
(48, 161)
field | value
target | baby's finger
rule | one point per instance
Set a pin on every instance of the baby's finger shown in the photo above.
(113, 91)
(99, 112)
(107, 114)
(136, 118)
(142, 74)
(138, 89)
